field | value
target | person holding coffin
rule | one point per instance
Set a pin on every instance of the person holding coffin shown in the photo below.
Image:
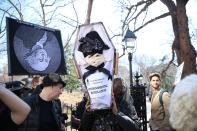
(121, 117)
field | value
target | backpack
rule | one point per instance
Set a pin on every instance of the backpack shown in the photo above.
(161, 100)
(160, 96)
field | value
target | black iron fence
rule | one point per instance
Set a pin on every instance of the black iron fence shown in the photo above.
(69, 109)
(138, 93)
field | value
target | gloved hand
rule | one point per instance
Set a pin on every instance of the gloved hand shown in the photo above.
(95, 60)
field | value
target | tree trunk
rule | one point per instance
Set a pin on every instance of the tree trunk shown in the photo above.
(187, 51)
(182, 46)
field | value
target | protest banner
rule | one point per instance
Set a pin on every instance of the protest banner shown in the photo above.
(33, 49)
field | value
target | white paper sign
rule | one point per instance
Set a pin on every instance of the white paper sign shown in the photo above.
(178, 73)
(99, 89)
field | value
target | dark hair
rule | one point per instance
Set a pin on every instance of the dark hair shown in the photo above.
(154, 74)
(52, 79)
(118, 80)
(118, 83)
(35, 79)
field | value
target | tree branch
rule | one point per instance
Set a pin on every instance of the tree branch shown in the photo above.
(37, 11)
(69, 39)
(123, 47)
(2, 34)
(2, 22)
(18, 11)
(53, 12)
(43, 13)
(142, 10)
(129, 11)
(145, 16)
(152, 20)
(64, 21)
(20, 6)
(115, 35)
(71, 19)
(48, 21)
(45, 2)
(171, 62)
(45, 5)
(170, 5)
(8, 12)
(130, 17)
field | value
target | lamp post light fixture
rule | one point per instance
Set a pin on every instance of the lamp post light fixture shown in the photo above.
(130, 45)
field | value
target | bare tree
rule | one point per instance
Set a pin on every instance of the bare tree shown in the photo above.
(181, 45)
(149, 65)
(43, 12)
(13, 10)
(144, 63)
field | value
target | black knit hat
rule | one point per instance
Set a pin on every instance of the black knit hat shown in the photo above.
(52, 79)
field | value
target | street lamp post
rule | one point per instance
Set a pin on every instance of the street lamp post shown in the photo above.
(130, 57)
(130, 42)
(138, 91)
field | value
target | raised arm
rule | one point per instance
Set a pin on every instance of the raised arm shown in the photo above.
(19, 109)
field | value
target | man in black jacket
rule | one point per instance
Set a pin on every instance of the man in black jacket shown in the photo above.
(44, 115)
(121, 117)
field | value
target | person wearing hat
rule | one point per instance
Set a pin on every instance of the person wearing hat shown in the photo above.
(159, 120)
(44, 115)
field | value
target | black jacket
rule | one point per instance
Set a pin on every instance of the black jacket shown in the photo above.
(32, 121)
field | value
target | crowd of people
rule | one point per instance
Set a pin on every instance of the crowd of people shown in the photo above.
(40, 109)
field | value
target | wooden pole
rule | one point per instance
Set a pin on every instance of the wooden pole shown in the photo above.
(88, 15)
